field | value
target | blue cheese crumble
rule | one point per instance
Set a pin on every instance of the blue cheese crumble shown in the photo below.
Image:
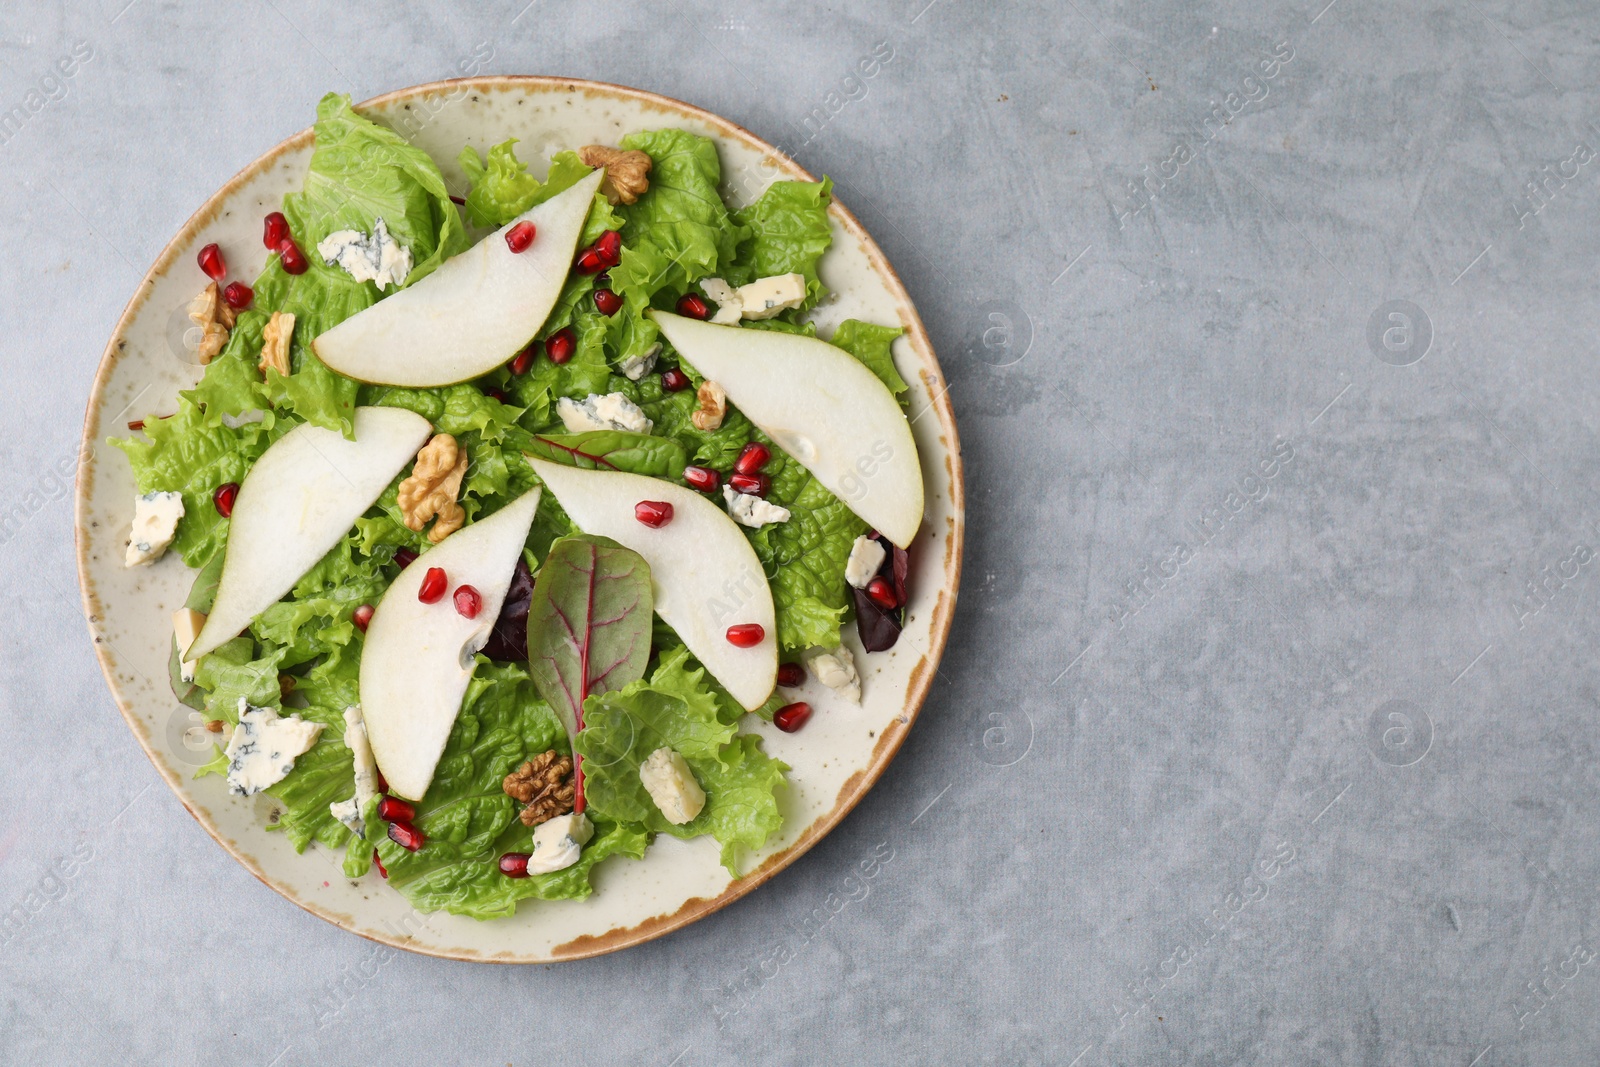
(378, 258)
(350, 811)
(264, 746)
(749, 510)
(760, 299)
(602, 411)
(155, 524)
(558, 842)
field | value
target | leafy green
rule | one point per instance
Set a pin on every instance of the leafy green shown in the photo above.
(871, 345)
(675, 708)
(675, 234)
(619, 450)
(502, 188)
(789, 233)
(589, 623)
(189, 454)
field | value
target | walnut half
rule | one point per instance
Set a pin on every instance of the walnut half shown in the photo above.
(275, 343)
(543, 785)
(432, 488)
(713, 406)
(215, 317)
(627, 172)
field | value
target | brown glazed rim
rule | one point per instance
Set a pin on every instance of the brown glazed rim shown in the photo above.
(922, 673)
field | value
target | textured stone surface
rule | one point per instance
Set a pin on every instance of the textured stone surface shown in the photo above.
(1157, 809)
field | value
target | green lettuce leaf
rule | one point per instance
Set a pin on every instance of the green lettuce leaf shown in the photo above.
(501, 189)
(871, 345)
(675, 708)
(789, 232)
(187, 453)
(677, 233)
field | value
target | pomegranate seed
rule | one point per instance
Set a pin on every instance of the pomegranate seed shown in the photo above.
(653, 513)
(701, 478)
(495, 394)
(515, 864)
(753, 484)
(791, 675)
(293, 260)
(523, 361)
(753, 458)
(609, 248)
(224, 497)
(383, 783)
(381, 868)
(433, 586)
(405, 557)
(238, 295)
(393, 809)
(136, 424)
(691, 306)
(882, 593)
(746, 634)
(406, 836)
(603, 280)
(460, 201)
(607, 302)
(589, 262)
(520, 236)
(674, 380)
(274, 230)
(362, 616)
(560, 345)
(468, 602)
(788, 718)
(210, 259)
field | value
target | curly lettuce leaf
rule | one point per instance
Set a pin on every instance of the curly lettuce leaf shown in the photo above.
(872, 345)
(190, 454)
(675, 234)
(789, 233)
(501, 188)
(675, 708)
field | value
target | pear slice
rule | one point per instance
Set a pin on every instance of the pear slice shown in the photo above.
(821, 406)
(704, 574)
(299, 499)
(418, 658)
(473, 313)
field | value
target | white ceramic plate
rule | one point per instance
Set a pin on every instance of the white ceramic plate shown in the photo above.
(835, 759)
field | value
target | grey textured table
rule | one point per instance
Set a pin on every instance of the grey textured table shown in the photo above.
(1267, 733)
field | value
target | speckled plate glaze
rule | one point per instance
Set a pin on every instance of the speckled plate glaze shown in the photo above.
(835, 759)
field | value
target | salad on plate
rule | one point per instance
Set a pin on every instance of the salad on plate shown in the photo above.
(507, 509)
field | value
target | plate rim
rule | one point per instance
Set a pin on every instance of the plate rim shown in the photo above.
(854, 789)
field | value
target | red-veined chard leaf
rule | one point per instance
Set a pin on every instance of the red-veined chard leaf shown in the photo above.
(613, 450)
(589, 627)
